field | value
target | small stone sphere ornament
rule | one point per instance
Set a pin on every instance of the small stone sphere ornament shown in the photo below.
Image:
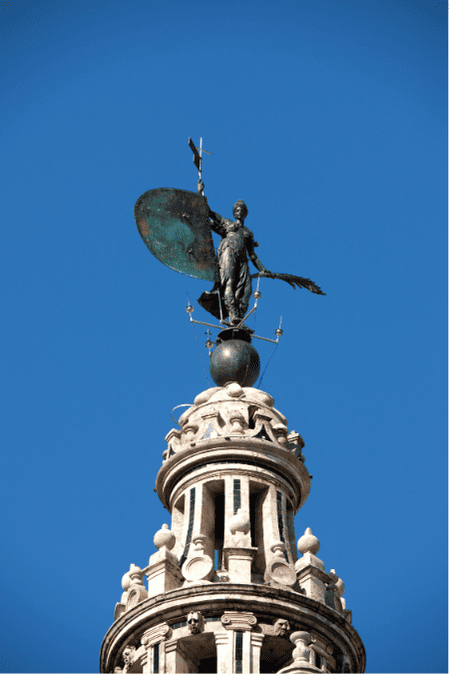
(308, 543)
(164, 538)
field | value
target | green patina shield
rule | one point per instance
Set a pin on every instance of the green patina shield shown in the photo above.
(174, 225)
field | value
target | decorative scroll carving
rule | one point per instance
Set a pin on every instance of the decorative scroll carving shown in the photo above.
(198, 568)
(136, 591)
(233, 620)
(296, 444)
(232, 410)
(119, 610)
(155, 635)
(279, 571)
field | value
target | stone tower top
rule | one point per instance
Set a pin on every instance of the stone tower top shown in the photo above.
(226, 591)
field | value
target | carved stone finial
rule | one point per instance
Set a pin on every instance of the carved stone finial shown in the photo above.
(164, 538)
(126, 581)
(195, 622)
(133, 586)
(339, 584)
(135, 574)
(330, 595)
(308, 543)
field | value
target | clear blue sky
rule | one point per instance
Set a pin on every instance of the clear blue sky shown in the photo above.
(328, 117)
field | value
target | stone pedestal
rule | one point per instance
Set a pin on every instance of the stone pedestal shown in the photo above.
(163, 573)
(311, 576)
(238, 562)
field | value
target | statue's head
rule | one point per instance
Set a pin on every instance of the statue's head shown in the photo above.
(240, 209)
(195, 621)
(281, 627)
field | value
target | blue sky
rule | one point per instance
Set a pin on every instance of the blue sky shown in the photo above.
(329, 119)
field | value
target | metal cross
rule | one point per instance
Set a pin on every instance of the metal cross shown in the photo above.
(197, 158)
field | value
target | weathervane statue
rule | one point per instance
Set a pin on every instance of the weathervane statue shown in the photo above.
(176, 225)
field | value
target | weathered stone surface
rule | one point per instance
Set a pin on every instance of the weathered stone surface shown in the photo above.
(225, 588)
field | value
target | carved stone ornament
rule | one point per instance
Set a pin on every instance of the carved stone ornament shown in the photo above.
(136, 590)
(301, 653)
(119, 610)
(199, 567)
(247, 412)
(233, 620)
(136, 594)
(155, 635)
(239, 523)
(164, 538)
(278, 570)
(128, 655)
(195, 622)
(281, 627)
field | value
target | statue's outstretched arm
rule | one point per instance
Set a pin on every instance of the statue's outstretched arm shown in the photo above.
(258, 264)
(250, 245)
(294, 281)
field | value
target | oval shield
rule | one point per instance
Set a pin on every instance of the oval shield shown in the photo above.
(174, 225)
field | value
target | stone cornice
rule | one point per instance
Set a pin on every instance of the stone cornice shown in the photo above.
(258, 599)
(255, 450)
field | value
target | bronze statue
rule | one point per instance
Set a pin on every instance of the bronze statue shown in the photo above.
(177, 226)
(233, 285)
(237, 245)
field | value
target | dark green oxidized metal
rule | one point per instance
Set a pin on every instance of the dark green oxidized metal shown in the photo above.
(174, 225)
(234, 359)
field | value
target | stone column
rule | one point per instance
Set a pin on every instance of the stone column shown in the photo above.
(237, 516)
(224, 652)
(256, 647)
(178, 658)
(170, 657)
(269, 520)
(152, 638)
(239, 625)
